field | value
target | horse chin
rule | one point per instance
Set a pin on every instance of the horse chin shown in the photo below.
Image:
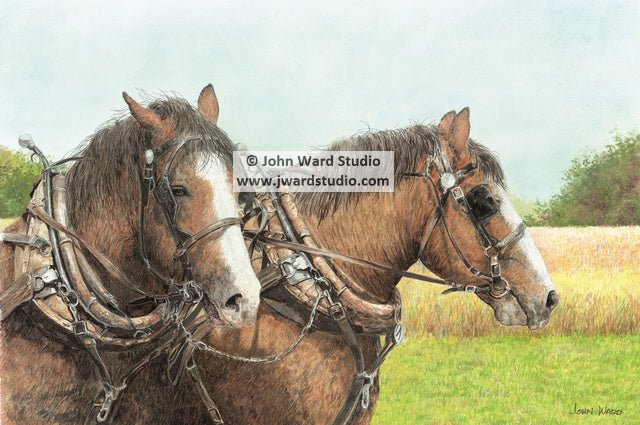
(538, 324)
(506, 310)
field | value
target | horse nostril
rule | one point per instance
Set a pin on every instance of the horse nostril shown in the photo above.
(233, 303)
(552, 300)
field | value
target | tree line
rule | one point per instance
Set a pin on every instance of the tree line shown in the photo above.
(599, 189)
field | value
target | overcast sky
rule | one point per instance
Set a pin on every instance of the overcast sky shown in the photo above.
(543, 79)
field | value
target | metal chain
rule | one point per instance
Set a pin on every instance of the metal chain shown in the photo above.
(269, 359)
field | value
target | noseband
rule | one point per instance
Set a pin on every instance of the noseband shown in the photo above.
(161, 188)
(479, 207)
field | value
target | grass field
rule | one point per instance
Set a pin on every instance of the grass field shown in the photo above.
(511, 380)
(460, 367)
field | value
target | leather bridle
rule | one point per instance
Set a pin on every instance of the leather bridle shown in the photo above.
(160, 187)
(497, 285)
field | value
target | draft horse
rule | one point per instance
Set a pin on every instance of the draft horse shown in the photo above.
(449, 211)
(140, 236)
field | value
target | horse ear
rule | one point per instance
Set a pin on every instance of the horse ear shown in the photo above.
(208, 104)
(146, 118)
(444, 128)
(459, 136)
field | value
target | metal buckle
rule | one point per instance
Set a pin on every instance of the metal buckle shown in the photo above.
(366, 387)
(49, 277)
(458, 195)
(496, 270)
(80, 328)
(336, 311)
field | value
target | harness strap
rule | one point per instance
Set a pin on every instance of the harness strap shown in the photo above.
(217, 225)
(209, 404)
(511, 237)
(429, 231)
(22, 239)
(353, 260)
(111, 268)
(18, 293)
(349, 406)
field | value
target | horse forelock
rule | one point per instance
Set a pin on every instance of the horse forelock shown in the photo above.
(411, 145)
(111, 166)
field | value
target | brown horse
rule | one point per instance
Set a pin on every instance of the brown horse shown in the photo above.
(312, 382)
(145, 186)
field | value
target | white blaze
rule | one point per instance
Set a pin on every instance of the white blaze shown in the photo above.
(525, 244)
(233, 249)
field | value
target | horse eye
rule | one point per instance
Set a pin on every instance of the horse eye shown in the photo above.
(179, 191)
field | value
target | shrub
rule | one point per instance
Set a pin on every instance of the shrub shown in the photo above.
(599, 188)
(17, 176)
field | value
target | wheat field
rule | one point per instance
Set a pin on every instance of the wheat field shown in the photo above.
(595, 269)
(4, 222)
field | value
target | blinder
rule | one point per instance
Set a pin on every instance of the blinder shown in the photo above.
(482, 204)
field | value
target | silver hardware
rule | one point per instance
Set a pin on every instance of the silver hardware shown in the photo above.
(149, 156)
(49, 276)
(398, 334)
(296, 268)
(366, 387)
(447, 181)
(26, 141)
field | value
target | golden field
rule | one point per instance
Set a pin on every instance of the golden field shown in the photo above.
(4, 222)
(595, 269)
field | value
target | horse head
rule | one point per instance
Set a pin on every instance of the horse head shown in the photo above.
(480, 240)
(155, 189)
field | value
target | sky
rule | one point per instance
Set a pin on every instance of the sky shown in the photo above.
(544, 80)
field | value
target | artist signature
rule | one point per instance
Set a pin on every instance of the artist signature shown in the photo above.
(599, 411)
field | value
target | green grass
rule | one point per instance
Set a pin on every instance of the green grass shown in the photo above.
(510, 380)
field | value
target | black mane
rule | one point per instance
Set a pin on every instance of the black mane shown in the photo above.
(410, 146)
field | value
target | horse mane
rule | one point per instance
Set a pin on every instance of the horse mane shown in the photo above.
(115, 151)
(410, 146)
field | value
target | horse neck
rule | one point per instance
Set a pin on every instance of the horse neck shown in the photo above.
(384, 228)
(110, 224)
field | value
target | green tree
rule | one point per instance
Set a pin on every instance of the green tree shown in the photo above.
(527, 209)
(17, 176)
(599, 188)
